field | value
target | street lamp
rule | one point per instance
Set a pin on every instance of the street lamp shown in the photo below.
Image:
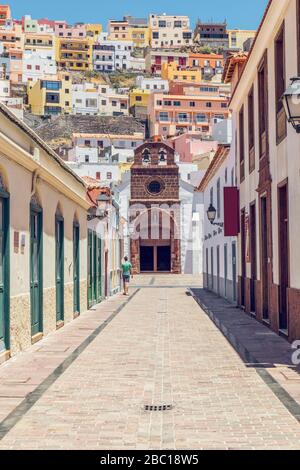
(102, 206)
(291, 103)
(211, 215)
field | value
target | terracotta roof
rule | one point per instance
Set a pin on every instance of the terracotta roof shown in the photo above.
(220, 155)
(94, 191)
(232, 60)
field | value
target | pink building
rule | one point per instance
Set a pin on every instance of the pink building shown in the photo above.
(189, 146)
(63, 30)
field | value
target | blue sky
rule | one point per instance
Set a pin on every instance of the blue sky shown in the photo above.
(239, 14)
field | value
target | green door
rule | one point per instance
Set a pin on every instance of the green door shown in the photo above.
(95, 268)
(59, 239)
(99, 270)
(36, 288)
(90, 268)
(76, 276)
(4, 272)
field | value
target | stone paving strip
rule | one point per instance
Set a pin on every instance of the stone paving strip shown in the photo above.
(260, 347)
(21, 375)
(161, 349)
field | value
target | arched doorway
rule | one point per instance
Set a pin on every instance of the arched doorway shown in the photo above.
(155, 243)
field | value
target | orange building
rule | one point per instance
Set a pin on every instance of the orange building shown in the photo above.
(209, 64)
(118, 30)
(16, 65)
(171, 115)
(12, 38)
(5, 14)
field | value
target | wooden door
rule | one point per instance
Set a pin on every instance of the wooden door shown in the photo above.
(253, 257)
(284, 262)
(76, 268)
(264, 258)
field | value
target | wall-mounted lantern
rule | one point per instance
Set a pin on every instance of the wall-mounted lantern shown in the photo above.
(291, 103)
(211, 215)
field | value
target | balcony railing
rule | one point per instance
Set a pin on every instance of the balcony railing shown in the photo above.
(75, 47)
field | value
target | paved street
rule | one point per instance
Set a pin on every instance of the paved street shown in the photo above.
(157, 348)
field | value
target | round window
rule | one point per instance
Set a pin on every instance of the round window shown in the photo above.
(154, 187)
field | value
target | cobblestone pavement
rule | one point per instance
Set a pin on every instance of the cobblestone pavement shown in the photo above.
(160, 348)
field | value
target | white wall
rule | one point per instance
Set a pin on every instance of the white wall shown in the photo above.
(214, 236)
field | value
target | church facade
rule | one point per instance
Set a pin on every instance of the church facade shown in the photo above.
(155, 210)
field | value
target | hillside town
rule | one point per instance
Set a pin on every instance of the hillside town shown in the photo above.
(175, 147)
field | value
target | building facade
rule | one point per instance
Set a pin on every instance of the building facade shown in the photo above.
(50, 96)
(43, 239)
(155, 58)
(212, 35)
(220, 273)
(155, 237)
(268, 173)
(171, 114)
(170, 31)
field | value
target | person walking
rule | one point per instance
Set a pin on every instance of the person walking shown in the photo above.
(126, 273)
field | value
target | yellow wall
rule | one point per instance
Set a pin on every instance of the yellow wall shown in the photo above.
(143, 94)
(80, 42)
(94, 29)
(241, 36)
(37, 96)
(125, 167)
(135, 36)
(172, 72)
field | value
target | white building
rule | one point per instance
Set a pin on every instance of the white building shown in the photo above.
(105, 172)
(85, 99)
(170, 31)
(219, 250)
(268, 171)
(152, 84)
(112, 102)
(109, 56)
(138, 64)
(94, 99)
(222, 131)
(37, 64)
(15, 104)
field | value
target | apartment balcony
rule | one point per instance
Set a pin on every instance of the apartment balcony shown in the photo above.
(183, 121)
(98, 47)
(74, 48)
(74, 57)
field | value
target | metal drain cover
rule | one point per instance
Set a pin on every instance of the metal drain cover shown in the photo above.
(157, 407)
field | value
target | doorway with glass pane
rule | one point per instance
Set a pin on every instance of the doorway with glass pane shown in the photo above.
(36, 257)
(59, 268)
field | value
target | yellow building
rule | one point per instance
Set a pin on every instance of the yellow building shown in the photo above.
(48, 97)
(237, 37)
(93, 30)
(75, 53)
(124, 167)
(172, 72)
(139, 97)
(140, 36)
